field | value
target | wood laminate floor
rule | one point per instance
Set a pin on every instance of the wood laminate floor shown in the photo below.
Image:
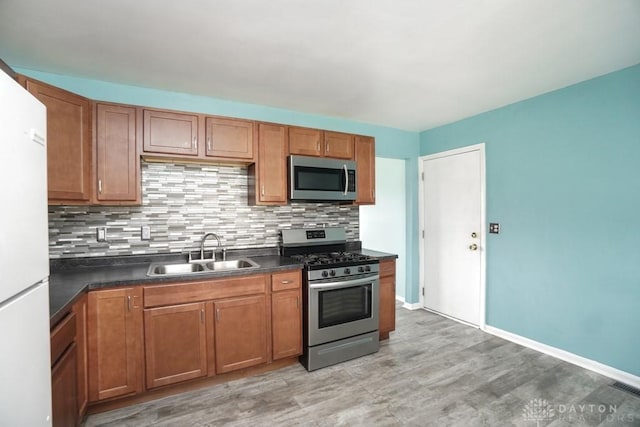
(432, 372)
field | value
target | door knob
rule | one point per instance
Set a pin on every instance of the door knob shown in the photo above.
(473, 247)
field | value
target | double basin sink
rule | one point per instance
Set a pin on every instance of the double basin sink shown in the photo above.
(199, 267)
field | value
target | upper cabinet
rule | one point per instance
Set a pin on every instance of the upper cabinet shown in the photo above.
(229, 138)
(116, 157)
(170, 133)
(68, 143)
(338, 145)
(268, 175)
(366, 170)
(315, 142)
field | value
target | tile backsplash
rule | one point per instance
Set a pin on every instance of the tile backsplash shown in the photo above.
(180, 203)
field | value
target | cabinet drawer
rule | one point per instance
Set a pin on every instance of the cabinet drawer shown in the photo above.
(387, 268)
(62, 336)
(285, 280)
(181, 293)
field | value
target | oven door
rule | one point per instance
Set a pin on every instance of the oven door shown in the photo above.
(342, 309)
(317, 178)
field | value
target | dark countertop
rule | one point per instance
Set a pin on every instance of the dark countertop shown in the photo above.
(71, 278)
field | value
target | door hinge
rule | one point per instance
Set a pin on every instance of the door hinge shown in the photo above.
(422, 175)
(422, 291)
(423, 234)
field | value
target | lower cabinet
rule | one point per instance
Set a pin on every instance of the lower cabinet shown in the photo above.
(64, 389)
(114, 342)
(286, 315)
(175, 343)
(240, 333)
(81, 311)
(387, 298)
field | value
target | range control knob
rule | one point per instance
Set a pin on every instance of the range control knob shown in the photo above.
(325, 274)
(347, 271)
(360, 269)
(367, 268)
(332, 273)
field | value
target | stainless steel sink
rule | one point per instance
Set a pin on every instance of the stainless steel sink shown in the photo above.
(199, 267)
(231, 265)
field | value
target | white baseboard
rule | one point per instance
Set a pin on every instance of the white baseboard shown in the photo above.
(592, 365)
(412, 306)
(401, 299)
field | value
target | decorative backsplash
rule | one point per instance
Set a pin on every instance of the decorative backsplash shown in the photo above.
(180, 203)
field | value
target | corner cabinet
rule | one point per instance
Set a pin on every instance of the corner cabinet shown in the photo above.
(116, 155)
(387, 297)
(268, 175)
(115, 337)
(68, 143)
(366, 170)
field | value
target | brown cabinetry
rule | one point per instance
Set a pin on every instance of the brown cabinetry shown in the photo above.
(117, 160)
(64, 373)
(240, 333)
(114, 342)
(269, 173)
(68, 143)
(338, 145)
(64, 389)
(175, 343)
(286, 314)
(366, 173)
(387, 298)
(229, 138)
(167, 132)
(315, 142)
(80, 311)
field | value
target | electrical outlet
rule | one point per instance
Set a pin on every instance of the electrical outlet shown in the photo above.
(101, 234)
(494, 228)
(145, 232)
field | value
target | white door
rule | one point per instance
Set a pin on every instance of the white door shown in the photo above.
(452, 217)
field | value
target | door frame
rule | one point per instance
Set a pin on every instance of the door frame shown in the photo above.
(483, 237)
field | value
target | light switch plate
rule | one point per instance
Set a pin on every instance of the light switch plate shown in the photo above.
(494, 228)
(101, 234)
(145, 232)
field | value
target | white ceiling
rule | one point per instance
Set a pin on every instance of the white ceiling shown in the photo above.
(409, 64)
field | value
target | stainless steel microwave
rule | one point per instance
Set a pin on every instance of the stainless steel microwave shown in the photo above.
(319, 178)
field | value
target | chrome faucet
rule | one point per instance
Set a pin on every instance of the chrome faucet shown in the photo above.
(207, 235)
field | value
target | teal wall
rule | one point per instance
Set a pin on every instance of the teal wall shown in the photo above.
(390, 142)
(563, 180)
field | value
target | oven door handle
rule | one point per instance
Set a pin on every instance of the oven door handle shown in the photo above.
(345, 283)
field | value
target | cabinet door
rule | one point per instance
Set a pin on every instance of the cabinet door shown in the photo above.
(366, 170)
(68, 143)
(115, 343)
(64, 390)
(170, 133)
(286, 323)
(272, 164)
(305, 141)
(80, 310)
(240, 333)
(175, 343)
(117, 162)
(229, 138)
(338, 145)
(387, 298)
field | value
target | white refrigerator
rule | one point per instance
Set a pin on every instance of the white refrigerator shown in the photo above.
(25, 365)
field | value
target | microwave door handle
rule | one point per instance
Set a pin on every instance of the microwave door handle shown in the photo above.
(346, 180)
(345, 283)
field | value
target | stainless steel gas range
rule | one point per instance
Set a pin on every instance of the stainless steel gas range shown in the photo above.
(340, 295)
